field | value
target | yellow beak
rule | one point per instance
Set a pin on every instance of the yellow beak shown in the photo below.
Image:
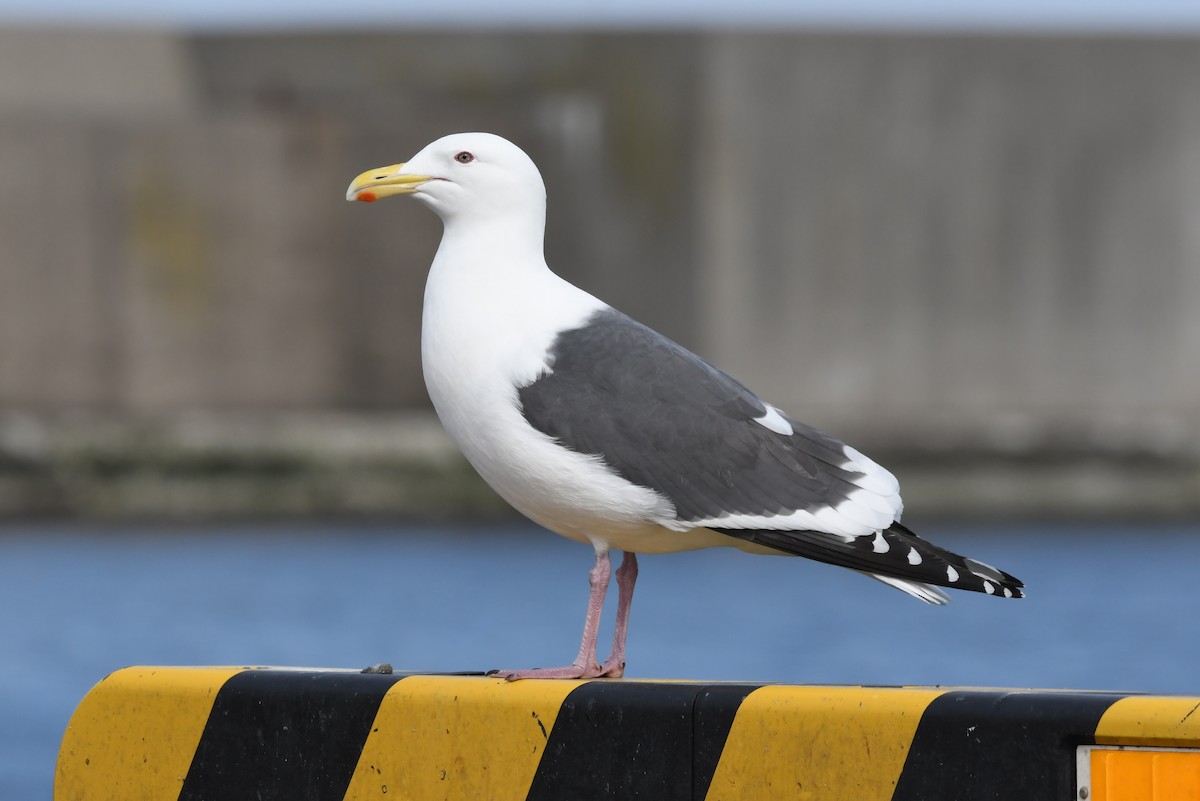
(383, 182)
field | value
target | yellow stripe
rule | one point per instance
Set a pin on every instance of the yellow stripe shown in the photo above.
(1151, 720)
(457, 737)
(133, 737)
(831, 743)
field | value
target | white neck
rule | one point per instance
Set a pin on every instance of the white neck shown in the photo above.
(501, 246)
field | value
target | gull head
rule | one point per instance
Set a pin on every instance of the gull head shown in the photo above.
(472, 176)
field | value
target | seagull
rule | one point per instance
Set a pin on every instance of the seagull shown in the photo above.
(598, 428)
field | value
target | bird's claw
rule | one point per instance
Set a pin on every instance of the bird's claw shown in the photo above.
(613, 669)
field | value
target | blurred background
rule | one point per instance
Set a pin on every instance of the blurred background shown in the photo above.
(972, 254)
(964, 240)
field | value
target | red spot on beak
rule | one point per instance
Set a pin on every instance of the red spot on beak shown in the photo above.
(366, 197)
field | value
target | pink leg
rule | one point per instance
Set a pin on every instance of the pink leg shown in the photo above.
(627, 574)
(584, 666)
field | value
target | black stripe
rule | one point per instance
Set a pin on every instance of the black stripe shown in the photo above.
(714, 712)
(993, 745)
(278, 735)
(631, 740)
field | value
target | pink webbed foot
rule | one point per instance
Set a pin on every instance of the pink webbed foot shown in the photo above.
(614, 666)
(567, 672)
(612, 669)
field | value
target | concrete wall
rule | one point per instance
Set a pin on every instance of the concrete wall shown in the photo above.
(991, 235)
(920, 241)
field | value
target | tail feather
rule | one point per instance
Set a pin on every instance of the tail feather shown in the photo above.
(895, 556)
(922, 592)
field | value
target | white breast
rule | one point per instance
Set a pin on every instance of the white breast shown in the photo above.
(486, 330)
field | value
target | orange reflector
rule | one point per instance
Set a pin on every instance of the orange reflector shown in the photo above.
(1138, 774)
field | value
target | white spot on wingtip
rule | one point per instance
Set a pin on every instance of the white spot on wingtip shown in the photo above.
(1007, 592)
(914, 558)
(987, 586)
(951, 573)
(775, 421)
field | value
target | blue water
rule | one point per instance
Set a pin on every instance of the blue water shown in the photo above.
(1109, 608)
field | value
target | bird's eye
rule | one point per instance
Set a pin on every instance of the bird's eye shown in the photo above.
(464, 157)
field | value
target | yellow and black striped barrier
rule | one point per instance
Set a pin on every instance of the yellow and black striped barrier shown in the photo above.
(223, 734)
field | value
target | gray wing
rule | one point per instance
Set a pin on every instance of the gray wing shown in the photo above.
(662, 418)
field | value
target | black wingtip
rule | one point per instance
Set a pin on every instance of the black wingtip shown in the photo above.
(896, 552)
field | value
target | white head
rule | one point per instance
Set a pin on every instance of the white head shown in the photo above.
(474, 177)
